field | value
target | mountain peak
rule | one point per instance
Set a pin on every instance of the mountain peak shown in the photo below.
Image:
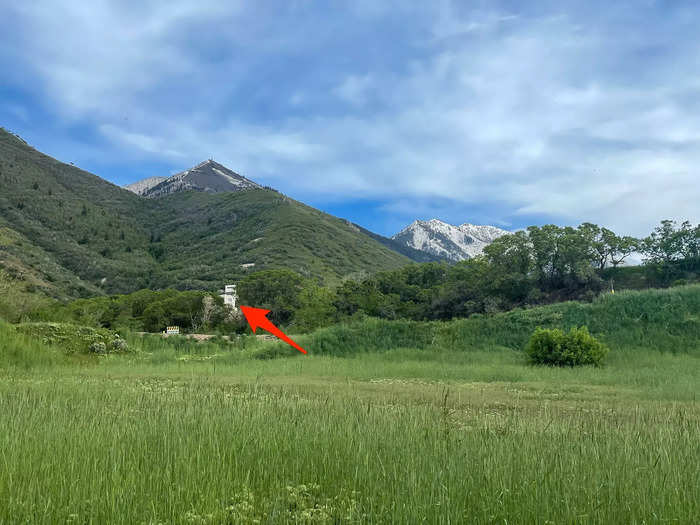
(208, 176)
(446, 240)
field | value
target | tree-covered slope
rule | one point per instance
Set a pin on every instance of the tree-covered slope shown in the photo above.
(76, 234)
(72, 229)
(201, 239)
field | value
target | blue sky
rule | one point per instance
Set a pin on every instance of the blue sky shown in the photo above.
(506, 113)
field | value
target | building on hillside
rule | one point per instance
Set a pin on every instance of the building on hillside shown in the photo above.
(229, 295)
(172, 330)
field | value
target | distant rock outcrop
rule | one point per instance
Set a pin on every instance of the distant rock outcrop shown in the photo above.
(445, 240)
(142, 186)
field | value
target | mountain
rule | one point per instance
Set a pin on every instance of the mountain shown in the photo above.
(207, 176)
(69, 233)
(414, 254)
(142, 186)
(455, 243)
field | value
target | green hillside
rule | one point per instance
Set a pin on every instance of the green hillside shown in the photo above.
(69, 233)
(67, 227)
(202, 238)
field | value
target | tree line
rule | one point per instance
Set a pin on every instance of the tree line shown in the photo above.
(147, 311)
(539, 265)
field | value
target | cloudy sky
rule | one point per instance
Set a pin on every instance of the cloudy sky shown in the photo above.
(508, 113)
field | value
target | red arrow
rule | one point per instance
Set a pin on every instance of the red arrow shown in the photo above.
(257, 317)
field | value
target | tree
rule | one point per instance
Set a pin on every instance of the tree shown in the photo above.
(316, 308)
(689, 240)
(183, 309)
(110, 314)
(466, 291)
(596, 238)
(667, 243)
(409, 291)
(208, 309)
(364, 296)
(576, 260)
(154, 318)
(620, 247)
(274, 290)
(513, 251)
(511, 265)
(545, 252)
(564, 258)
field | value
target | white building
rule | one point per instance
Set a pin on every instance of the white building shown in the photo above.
(229, 295)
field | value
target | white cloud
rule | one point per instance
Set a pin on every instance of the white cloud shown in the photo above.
(557, 114)
(96, 57)
(450, 24)
(145, 143)
(354, 89)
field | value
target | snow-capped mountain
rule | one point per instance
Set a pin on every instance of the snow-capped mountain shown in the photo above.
(142, 186)
(445, 240)
(208, 176)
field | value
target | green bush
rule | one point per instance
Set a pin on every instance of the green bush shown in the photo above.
(556, 347)
(73, 339)
(98, 348)
(120, 345)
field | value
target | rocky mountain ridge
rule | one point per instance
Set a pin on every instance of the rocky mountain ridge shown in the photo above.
(142, 186)
(441, 239)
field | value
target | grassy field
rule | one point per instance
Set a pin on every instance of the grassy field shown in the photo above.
(452, 429)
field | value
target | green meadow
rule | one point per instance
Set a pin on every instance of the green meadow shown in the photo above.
(383, 422)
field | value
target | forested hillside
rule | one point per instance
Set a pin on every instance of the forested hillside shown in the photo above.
(68, 233)
(67, 228)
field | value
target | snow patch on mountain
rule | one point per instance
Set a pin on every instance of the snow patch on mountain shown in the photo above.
(456, 243)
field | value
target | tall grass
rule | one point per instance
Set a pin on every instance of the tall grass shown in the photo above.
(382, 423)
(149, 451)
(18, 351)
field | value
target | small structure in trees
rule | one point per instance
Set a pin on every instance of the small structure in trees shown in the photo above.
(229, 295)
(172, 330)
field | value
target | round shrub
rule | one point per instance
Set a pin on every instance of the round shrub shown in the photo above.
(119, 345)
(559, 348)
(98, 348)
